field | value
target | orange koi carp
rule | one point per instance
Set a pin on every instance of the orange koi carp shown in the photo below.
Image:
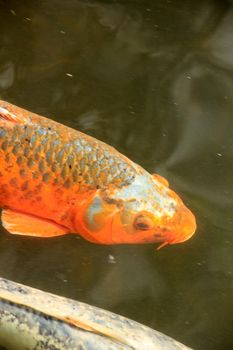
(55, 180)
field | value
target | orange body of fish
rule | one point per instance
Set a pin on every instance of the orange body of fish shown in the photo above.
(55, 180)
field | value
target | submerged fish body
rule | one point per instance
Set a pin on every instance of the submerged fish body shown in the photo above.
(55, 180)
(32, 319)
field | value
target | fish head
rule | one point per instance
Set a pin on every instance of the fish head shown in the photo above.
(145, 211)
(152, 212)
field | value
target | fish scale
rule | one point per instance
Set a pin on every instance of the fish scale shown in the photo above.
(40, 154)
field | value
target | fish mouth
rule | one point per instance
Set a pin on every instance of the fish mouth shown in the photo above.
(183, 228)
(187, 225)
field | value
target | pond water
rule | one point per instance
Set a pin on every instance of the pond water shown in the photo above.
(155, 80)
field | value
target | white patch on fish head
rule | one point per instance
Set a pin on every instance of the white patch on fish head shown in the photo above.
(145, 193)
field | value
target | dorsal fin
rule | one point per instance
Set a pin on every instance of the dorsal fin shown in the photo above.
(8, 116)
(161, 179)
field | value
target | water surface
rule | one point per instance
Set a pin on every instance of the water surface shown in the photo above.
(155, 80)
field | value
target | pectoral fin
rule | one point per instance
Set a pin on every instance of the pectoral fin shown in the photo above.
(29, 225)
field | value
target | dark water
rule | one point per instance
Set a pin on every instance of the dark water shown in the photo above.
(154, 79)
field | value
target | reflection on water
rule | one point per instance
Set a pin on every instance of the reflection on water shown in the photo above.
(154, 79)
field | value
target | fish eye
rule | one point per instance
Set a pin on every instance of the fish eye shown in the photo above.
(143, 222)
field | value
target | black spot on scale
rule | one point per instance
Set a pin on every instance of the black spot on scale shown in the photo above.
(70, 160)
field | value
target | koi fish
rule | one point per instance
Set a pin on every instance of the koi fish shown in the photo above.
(32, 319)
(55, 180)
